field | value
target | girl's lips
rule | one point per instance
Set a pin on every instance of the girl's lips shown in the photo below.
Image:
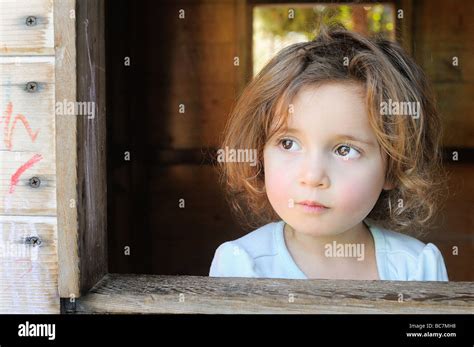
(312, 206)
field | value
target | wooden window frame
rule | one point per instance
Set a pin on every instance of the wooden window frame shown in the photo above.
(85, 286)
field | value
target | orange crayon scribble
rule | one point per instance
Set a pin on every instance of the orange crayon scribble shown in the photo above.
(8, 131)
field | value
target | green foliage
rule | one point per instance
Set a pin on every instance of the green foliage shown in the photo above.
(281, 20)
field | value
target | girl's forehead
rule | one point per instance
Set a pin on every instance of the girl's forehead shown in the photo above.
(339, 104)
(331, 92)
(326, 112)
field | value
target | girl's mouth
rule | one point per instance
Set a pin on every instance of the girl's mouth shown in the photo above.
(312, 206)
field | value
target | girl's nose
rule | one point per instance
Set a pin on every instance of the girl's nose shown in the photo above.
(314, 172)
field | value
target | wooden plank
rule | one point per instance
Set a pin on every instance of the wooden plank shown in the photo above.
(17, 37)
(28, 226)
(91, 136)
(444, 21)
(31, 111)
(436, 58)
(456, 104)
(204, 21)
(197, 229)
(206, 111)
(443, 30)
(27, 146)
(244, 44)
(440, 38)
(18, 196)
(66, 150)
(194, 63)
(205, 295)
(28, 270)
(404, 26)
(454, 224)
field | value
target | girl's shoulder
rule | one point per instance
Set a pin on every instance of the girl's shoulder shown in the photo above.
(391, 241)
(236, 258)
(403, 257)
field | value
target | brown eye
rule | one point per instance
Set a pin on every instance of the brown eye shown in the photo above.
(343, 150)
(287, 144)
(348, 152)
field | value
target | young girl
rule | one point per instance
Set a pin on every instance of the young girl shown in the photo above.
(348, 145)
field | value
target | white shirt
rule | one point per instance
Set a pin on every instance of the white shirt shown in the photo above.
(263, 253)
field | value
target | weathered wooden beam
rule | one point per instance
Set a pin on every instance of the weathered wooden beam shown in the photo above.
(66, 148)
(91, 144)
(117, 293)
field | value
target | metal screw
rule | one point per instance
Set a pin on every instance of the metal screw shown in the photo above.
(31, 87)
(33, 240)
(35, 182)
(31, 21)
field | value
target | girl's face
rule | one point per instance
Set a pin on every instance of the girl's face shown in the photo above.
(329, 155)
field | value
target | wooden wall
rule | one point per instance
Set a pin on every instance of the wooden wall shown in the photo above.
(173, 62)
(443, 30)
(28, 206)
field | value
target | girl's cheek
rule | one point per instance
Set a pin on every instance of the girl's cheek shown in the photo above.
(276, 184)
(278, 180)
(349, 196)
(358, 192)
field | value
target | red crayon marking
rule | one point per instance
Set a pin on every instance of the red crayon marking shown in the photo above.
(8, 132)
(16, 176)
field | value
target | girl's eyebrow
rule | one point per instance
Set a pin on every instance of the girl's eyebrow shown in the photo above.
(352, 138)
(336, 137)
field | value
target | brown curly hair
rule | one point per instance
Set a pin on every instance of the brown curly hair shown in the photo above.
(413, 145)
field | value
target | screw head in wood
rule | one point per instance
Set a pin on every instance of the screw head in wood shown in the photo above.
(33, 240)
(31, 21)
(31, 87)
(35, 182)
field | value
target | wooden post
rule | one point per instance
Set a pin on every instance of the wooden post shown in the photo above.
(91, 132)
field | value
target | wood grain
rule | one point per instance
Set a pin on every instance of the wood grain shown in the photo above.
(66, 150)
(27, 146)
(17, 38)
(205, 295)
(443, 30)
(28, 272)
(91, 150)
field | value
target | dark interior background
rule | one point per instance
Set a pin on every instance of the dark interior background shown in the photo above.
(190, 62)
